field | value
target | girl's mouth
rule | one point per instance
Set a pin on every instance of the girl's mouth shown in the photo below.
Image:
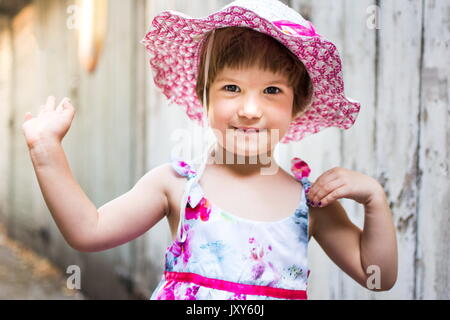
(248, 130)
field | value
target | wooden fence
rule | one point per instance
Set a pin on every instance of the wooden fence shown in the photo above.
(395, 57)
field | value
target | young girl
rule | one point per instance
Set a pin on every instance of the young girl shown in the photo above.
(256, 73)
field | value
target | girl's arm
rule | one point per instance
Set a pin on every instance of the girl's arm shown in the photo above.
(369, 256)
(83, 226)
(74, 214)
(378, 240)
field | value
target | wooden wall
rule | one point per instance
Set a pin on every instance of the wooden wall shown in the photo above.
(396, 66)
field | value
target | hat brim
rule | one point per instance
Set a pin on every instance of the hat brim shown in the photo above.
(174, 42)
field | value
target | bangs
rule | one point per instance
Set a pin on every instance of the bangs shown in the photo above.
(241, 48)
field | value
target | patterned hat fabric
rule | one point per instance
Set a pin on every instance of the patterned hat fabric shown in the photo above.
(174, 43)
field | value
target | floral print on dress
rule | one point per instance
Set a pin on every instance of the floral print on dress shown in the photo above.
(202, 210)
(180, 249)
(191, 292)
(238, 296)
(218, 247)
(295, 271)
(276, 276)
(258, 257)
(174, 290)
(168, 290)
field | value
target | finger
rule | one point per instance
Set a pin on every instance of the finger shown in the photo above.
(315, 194)
(324, 179)
(68, 106)
(69, 109)
(50, 105)
(28, 116)
(336, 194)
(324, 191)
(64, 103)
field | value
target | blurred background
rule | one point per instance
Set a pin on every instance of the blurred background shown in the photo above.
(395, 58)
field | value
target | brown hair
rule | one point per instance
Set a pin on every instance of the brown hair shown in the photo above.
(241, 47)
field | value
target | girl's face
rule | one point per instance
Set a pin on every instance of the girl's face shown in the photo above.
(250, 98)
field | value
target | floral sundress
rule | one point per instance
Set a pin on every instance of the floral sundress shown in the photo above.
(220, 256)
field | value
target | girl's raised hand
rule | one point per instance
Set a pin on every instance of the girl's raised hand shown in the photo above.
(50, 124)
(340, 183)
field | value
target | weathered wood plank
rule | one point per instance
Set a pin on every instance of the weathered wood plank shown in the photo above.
(433, 219)
(105, 128)
(24, 79)
(359, 56)
(6, 66)
(397, 128)
(12, 7)
(140, 268)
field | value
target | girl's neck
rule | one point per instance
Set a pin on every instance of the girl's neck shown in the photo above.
(247, 166)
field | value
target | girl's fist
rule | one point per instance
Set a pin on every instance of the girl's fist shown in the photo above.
(50, 124)
(340, 183)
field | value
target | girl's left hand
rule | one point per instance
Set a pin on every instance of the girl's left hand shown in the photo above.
(340, 183)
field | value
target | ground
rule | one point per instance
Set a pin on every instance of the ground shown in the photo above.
(25, 275)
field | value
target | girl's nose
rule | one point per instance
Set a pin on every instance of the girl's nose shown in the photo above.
(250, 108)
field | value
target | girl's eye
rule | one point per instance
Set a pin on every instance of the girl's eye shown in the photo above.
(235, 88)
(272, 90)
(231, 87)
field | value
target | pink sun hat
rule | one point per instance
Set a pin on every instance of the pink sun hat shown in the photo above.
(174, 43)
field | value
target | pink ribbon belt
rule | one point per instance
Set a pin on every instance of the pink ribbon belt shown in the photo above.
(239, 288)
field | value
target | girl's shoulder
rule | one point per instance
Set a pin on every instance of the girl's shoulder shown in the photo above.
(166, 176)
(175, 174)
(173, 184)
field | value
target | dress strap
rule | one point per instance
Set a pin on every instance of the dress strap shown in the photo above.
(301, 172)
(183, 168)
(193, 193)
(187, 169)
